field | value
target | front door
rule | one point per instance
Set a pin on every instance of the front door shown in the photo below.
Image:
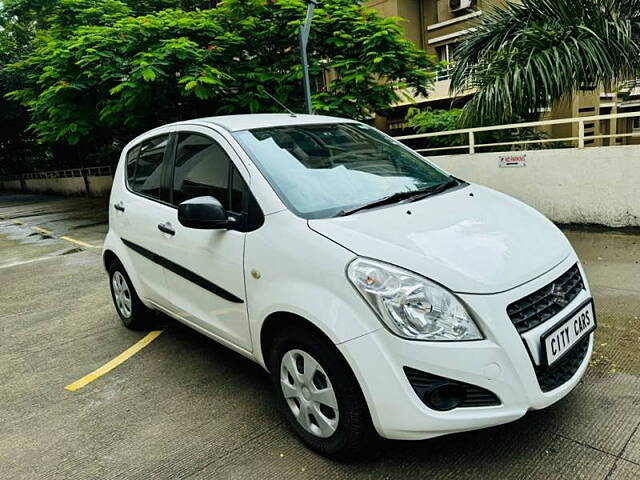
(205, 268)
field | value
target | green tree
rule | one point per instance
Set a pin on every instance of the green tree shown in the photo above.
(526, 56)
(429, 120)
(17, 146)
(39, 11)
(20, 22)
(116, 74)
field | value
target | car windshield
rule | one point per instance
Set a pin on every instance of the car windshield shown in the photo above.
(323, 170)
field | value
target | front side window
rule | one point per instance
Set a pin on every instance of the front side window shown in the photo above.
(321, 170)
(144, 166)
(239, 190)
(202, 169)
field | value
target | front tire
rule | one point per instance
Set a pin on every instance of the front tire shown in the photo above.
(319, 396)
(131, 310)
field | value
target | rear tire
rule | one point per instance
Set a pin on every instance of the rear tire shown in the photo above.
(323, 403)
(130, 309)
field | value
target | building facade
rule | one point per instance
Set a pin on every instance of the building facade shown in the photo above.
(437, 26)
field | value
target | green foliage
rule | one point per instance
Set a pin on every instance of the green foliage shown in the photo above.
(101, 72)
(16, 145)
(526, 56)
(40, 10)
(429, 120)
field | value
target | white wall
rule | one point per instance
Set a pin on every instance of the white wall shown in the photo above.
(12, 185)
(599, 185)
(65, 186)
(100, 186)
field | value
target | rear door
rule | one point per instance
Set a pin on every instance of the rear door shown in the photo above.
(141, 207)
(205, 272)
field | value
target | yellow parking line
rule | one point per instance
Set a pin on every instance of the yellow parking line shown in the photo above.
(42, 230)
(64, 237)
(107, 367)
(78, 242)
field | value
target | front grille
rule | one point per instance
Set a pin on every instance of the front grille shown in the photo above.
(423, 383)
(550, 378)
(541, 305)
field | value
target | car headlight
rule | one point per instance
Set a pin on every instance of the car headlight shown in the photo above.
(411, 306)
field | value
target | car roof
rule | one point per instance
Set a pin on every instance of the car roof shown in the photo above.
(234, 123)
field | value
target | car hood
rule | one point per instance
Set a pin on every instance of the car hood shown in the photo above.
(471, 239)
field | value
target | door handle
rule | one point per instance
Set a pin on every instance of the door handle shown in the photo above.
(119, 206)
(166, 228)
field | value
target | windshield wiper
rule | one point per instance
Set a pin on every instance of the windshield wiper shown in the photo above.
(411, 196)
(427, 192)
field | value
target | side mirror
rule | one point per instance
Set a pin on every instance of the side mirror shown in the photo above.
(205, 213)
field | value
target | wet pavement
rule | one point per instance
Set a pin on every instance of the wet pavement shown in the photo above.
(31, 226)
(185, 407)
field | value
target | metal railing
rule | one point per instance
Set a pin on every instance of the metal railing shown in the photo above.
(105, 170)
(70, 173)
(10, 178)
(444, 73)
(472, 146)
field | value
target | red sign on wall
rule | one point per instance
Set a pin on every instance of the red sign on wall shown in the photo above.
(507, 161)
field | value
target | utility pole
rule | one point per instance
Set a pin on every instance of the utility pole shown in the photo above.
(304, 39)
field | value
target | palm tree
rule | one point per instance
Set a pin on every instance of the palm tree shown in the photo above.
(526, 56)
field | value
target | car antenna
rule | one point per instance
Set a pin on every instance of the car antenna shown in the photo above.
(280, 103)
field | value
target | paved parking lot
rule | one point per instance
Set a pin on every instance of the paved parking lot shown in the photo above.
(185, 407)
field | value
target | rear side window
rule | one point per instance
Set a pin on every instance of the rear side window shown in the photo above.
(132, 159)
(145, 173)
(201, 169)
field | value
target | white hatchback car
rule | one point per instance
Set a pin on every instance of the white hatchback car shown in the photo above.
(382, 294)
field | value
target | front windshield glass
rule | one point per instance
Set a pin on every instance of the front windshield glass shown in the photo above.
(321, 170)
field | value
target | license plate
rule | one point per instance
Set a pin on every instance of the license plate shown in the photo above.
(558, 341)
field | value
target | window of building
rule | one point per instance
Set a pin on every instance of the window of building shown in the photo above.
(446, 53)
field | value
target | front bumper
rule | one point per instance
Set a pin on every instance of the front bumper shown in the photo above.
(504, 363)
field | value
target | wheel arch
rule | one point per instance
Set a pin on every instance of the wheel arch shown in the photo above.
(108, 257)
(276, 322)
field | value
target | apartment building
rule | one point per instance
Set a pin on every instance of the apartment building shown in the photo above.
(437, 26)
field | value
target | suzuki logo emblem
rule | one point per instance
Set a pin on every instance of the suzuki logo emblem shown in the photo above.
(558, 295)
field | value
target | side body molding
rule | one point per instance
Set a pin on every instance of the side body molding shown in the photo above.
(183, 272)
